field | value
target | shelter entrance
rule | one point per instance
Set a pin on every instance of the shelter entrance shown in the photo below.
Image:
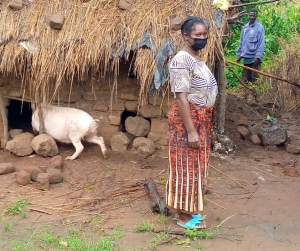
(19, 115)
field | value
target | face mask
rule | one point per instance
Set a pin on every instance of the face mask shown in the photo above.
(199, 43)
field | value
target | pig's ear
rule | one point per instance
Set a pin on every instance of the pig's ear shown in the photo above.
(33, 106)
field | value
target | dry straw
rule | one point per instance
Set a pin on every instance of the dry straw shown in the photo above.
(284, 96)
(92, 33)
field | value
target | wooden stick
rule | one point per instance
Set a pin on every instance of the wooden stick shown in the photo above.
(230, 178)
(5, 122)
(216, 204)
(253, 3)
(266, 172)
(40, 211)
(265, 74)
(240, 80)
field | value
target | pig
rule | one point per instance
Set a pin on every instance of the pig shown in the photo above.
(69, 125)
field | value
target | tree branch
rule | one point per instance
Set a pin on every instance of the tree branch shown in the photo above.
(253, 3)
(265, 74)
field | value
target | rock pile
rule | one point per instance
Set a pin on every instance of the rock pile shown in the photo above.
(52, 174)
(24, 144)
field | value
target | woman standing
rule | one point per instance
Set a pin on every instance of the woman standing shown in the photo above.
(190, 123)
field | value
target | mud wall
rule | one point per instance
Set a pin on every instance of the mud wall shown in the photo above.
(102, 101)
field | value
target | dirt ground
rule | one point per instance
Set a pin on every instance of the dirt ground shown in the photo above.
(253, 198)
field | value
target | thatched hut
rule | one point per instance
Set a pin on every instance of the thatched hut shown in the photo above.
(81, 53)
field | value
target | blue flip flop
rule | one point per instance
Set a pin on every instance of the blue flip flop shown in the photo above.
(195, 216)
(192, 224)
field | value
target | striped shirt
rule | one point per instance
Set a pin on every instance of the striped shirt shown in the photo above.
(193, 76)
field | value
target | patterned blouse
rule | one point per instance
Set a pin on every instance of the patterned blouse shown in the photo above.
(193, 76)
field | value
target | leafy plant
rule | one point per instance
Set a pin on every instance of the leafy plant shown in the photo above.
(17, 208)
(270, 117)
(144, 226)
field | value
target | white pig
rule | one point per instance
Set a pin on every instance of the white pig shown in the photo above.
(69, 125)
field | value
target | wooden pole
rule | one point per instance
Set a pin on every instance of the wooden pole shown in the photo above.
(265, 74)
(5, 122)
(252, 3)
(40, 112)
(222, 83)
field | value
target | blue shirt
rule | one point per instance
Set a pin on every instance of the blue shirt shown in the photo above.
(252, 41)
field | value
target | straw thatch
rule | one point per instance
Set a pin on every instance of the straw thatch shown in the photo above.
(92, 35)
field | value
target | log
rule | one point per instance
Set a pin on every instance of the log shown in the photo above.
(222, 83)
(40, 113)
(252, 3)
(5, 122)
(264, 74)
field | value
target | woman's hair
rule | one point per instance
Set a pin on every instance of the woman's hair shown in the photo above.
(188, 25)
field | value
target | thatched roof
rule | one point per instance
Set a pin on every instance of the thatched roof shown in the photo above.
(94, 36)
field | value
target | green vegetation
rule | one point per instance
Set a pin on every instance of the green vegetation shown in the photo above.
(280, 20)
(144, 226)
(17, 208)
(157, 239)
(161, 219)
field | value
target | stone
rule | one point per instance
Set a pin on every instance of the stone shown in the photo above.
(244, 132)
(150, 112)
(114, 120)
(89, 96)
(6, 168)
(34, 174)
(175, 23)
(158, 131)
(254, 139)
(16, 4)
(137, 126)
(125, 4)
(273, 134)
(117, 106)
(131, 106)
(14, 132)
(287, 115)
(100, 107)
(23, 178)
(219, 148)
(227, 142)
(58, 161)
(44, 145)
(43, 181)
(292, 149)
(119, 142)
(76, 194)
(239, 119)
(255, 129)
(143, 146)
(66, 97)
(56, 21)
(55, 175)
(129, 96)
(21, 144)
(14, 93)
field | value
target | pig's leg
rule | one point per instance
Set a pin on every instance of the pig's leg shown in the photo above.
(99, 141)
(76, 141)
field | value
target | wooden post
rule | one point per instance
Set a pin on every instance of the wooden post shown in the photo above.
(5, 122)
(222, 83)
(40, 112)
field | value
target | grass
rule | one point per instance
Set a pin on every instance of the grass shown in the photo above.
(144, 226)
(17, 208)
(218, 218)
(47, 240)
(157, 239)
(195, 234)
(161, 219)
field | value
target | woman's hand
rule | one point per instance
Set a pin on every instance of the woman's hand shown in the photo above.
(193, 139)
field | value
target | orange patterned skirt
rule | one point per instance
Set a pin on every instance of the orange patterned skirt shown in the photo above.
(188, 166)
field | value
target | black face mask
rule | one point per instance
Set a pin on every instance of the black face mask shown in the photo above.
(199, 43)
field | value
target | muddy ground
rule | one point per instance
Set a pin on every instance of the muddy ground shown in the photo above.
(253, 197)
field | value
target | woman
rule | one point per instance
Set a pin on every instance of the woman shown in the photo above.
(190, 123)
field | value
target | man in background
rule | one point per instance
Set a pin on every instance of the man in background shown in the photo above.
(251, 47)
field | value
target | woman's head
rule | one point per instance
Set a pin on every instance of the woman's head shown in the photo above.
(195, 32)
